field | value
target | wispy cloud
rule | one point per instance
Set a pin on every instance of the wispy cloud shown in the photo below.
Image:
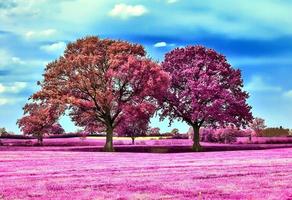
(42, 34)
(6, 58)
(288, 94)
(257, 84)
(55, 48)
(172, 1)
(124, 11)
(15, 87)
(4, 101)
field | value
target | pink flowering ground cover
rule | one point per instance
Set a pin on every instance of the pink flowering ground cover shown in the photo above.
(257, 174)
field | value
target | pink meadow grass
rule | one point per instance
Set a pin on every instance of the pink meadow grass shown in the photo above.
(262, 174)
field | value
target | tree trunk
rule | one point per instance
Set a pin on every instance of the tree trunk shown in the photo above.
(196, 139)
(133, 140)
(40, 139)
(109, 140)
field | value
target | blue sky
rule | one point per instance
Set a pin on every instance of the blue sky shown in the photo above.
(255, 36)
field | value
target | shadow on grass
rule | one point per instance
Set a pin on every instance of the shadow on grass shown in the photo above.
(147, 148)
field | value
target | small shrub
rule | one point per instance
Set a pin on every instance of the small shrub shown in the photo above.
(222, 135)
(179, 136)
(208, 135)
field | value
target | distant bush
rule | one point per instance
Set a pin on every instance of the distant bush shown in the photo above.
(78, 134)
(65, 135)
(174, 131)
(221, 135)
(274, 132)
(179, 136)
(279, 140)
(14, 136)
(3, 131)
(226, 135)
(153, 132)
(257, 125)
(218, 135)
(208, 135)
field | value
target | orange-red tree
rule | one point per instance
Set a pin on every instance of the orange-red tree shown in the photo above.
(101, 77)
(40, 118)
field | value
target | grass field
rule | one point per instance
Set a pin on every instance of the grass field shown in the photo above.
(261, 174)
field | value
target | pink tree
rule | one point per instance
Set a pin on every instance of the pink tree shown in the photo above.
(205, 90)
(102, 77)
(257, 125)
(135, 121)
(154, 131)
(57, 129)
(40, 119)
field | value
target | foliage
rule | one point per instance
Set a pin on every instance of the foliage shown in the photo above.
(226, 135)
(258, 125)
(174, 131)
(179, 136)
(220, 135)
(135, 121)
(100, 78)
(40, 119)
(3, 132)
(202, 81)
(56, 129)
(153, 131)
(271, 132)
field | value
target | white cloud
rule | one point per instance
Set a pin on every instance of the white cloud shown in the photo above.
(125, 11)
(2, 88)
(10, 100)
(57, 47)
(42, 34)
(257, 84)
(215, 17)
(4, 101)
(171, 1)
(288, 94)
(19, 70)
(15, 87)
(160, 44)
(163, 44)
(17, 60)
(6, 58)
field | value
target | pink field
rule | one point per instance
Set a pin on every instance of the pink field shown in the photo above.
(261, 174)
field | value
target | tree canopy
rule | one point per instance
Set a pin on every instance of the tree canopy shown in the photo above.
(204, 90)
(101, 79)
